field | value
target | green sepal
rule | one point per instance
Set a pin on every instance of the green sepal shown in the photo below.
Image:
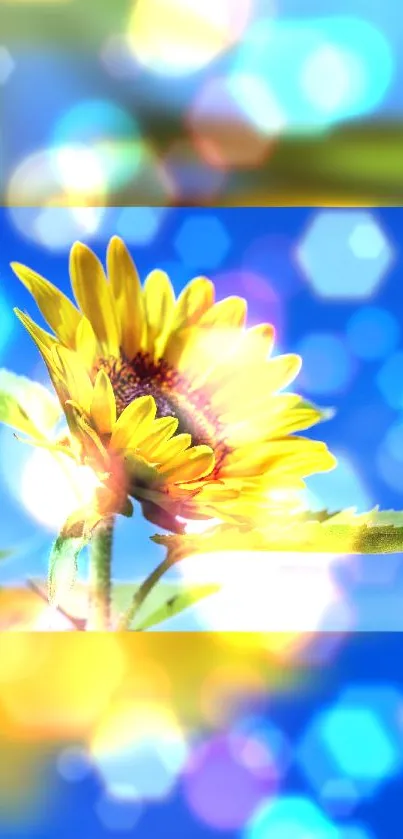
(63, 566)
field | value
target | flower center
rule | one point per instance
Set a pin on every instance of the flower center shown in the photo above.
(145, 377)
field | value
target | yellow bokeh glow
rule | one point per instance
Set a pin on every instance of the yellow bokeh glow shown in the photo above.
(82, 688)
(139, 749)
(59, 176)
(176, 37)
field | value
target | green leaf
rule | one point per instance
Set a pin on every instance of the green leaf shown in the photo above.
(183, 598)
(163, 602)
(344, 532)
(123, 594)
(27, 406)
(63, 566)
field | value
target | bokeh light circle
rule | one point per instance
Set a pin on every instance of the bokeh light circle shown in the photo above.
(73, 764)
(222, 122)
(327, 364)
(226, 779)
(139, 750)
(93, 120)
(337, 67)
(344, 254)
(178, 37)
(118, 816)
(53, 487)
(290, 816)
(372, 332)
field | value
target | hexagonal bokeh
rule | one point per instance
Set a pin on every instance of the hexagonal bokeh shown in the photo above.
(189, 176)
(369, 753)
(385, 700)
(390, 457)
(139, 752)
(234, 121)
(349, 750)
(202, 242)
(290, 818)
(118, 816)
(327, 364)
(227, 778)
(389, 380)
(139, 225)
(344, 254)
(73, 764)
(372, 332)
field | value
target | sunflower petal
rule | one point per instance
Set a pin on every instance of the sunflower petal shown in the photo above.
(60, 313)
(256, 343)
(259, 418)
(46, 344)
(133, 421)
(93, 295)
(159, 303)
(103, 404)
(217, 492)
(254, 383)
(168, 451)
(190, 465)
(305, 462)
(86, 343)
(247, 461)
(297, 420)
(179, 344)
(247, 352)
(95, 453)
(195, 299)
(282, 370)
(43, 340)
(127, 292)
(228, 312)
(162, 430)
(186, 347)
(76, 377)
(253, 460)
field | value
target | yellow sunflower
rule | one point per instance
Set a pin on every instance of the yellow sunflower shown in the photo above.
(172, 402)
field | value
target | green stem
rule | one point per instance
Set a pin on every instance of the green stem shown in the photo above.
(146, 587)
(99, 616)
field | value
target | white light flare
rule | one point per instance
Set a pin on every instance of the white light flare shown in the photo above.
(53, 487)
(268, 592)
